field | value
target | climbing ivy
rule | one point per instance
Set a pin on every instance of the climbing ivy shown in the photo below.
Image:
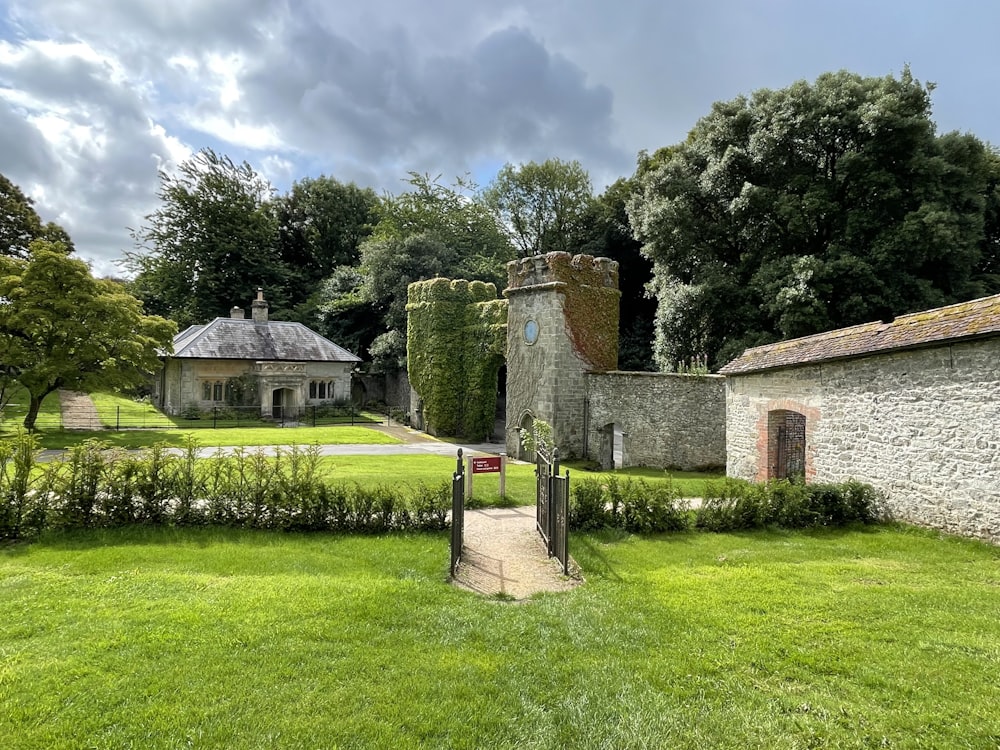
(456, 340)
(590, 307)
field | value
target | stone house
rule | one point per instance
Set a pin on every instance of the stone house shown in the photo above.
(911, 406)
(293, 366)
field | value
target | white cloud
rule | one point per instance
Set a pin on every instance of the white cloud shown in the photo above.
(96, 97)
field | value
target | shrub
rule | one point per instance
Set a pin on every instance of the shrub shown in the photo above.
(76, 482)
(431, 504)
(22, 503)
(587, 510)
(733, 504)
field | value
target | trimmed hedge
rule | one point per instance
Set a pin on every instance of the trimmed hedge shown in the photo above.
(91, 486)
(729, 505)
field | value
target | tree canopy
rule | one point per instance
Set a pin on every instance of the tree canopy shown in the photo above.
(20, 224)
(431, 230)
(541, 206)
(62, 328)
(805, 209)
(210, 244)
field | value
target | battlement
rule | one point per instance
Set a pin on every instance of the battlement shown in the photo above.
(562, 268)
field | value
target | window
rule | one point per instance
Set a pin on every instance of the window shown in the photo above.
(211, 390)
(321, 390)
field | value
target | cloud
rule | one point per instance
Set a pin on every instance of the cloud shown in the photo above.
(96, 97)
(80, 143)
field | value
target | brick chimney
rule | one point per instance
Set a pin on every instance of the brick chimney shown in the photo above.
(236, 313)
(259, 307)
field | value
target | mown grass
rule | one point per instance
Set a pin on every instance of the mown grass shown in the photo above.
(223, 437)
(49, 413)
(118, 411)
(218, 638)
(688, 483)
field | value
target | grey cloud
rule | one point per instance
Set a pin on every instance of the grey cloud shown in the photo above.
(506, 97)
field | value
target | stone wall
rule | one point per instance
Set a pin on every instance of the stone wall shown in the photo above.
(562, 322)
(391, 388)
(666, 419)
(922, 425)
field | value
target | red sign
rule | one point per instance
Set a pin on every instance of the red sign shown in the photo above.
(485, 465)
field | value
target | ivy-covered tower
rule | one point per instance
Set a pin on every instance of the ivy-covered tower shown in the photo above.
(562, 322)
(455, 337)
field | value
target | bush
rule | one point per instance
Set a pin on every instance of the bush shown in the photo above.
(733, 504)
(587, 511)
(23, 496)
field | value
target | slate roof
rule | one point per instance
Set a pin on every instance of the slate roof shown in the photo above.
(233, 338)
(978, 318)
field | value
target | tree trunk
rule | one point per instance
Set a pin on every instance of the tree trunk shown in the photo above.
(34, 405)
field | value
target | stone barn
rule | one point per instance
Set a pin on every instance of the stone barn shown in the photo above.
(291, 366)
(911, 406)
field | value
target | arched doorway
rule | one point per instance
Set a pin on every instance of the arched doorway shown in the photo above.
(786, 444)
(283, 404)
(523, 454)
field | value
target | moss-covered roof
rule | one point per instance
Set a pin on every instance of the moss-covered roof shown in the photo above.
(973, 319)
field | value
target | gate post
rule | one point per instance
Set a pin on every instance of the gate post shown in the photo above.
(457, 513)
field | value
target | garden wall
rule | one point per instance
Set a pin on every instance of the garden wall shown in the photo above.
(665, 419)
(923, 425)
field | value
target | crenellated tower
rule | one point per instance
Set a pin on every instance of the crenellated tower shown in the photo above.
(562, 323)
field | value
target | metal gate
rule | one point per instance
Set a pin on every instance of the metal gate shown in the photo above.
(552, 506)
(791, 455)
(457, 513)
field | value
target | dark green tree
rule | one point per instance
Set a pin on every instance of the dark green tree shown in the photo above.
(541, 206)
(606, 232)
(430, 230)
(62, 328)
(211, 243)
(20, 225)
(321, 225)
(801, 210)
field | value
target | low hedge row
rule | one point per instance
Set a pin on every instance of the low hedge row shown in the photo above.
(727, 505)
(92, 487)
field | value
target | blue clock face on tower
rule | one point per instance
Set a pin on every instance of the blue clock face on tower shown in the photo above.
(531, 331)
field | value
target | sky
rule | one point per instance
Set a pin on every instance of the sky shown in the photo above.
(96, 98)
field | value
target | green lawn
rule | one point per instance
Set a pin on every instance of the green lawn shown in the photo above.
(216, 638)
(223, 437)
(49, 415)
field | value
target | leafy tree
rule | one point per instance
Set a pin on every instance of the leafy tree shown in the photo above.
(817, 206)
(431, 230)
(606, 232)
(321, 224)
(211, 244)
(20, 225)
(542, 206)
(62, 328)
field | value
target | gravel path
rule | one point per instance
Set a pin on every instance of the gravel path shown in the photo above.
(503, 555)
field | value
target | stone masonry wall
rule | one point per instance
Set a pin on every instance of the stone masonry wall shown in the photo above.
(668, 419)
(574, 302)
(922, 425)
